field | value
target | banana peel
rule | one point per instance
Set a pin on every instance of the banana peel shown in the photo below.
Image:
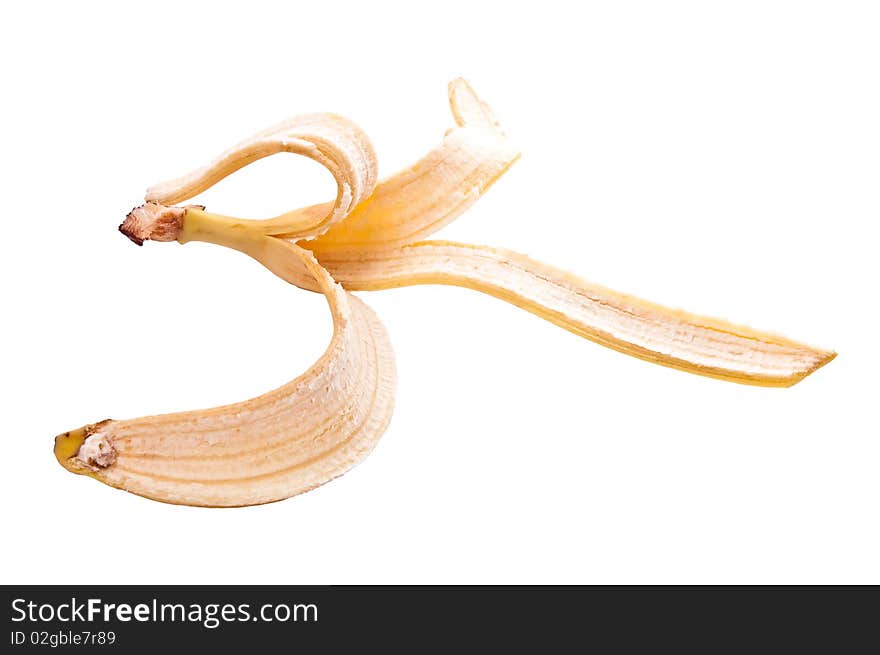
(373, 237)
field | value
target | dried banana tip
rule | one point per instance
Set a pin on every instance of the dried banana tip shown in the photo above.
(153, 221)
(88, 446)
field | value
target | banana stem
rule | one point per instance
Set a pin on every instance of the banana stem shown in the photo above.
(157, 222)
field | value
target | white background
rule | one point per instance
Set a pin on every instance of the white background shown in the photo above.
(720, 157)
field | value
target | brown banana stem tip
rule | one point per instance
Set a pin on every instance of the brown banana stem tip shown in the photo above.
(153, 222)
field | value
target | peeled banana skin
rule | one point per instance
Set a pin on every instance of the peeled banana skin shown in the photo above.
(373, 237)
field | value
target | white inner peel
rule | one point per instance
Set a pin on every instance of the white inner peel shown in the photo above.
(97, 450)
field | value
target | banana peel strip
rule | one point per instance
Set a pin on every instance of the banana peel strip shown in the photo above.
(651, 332)
(333, 141)
(371, 238)
(277, 445)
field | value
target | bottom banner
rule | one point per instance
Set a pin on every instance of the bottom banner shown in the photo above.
(140, 619)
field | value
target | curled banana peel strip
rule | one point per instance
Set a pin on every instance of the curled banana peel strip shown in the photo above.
(282, 443)
(371, 237)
